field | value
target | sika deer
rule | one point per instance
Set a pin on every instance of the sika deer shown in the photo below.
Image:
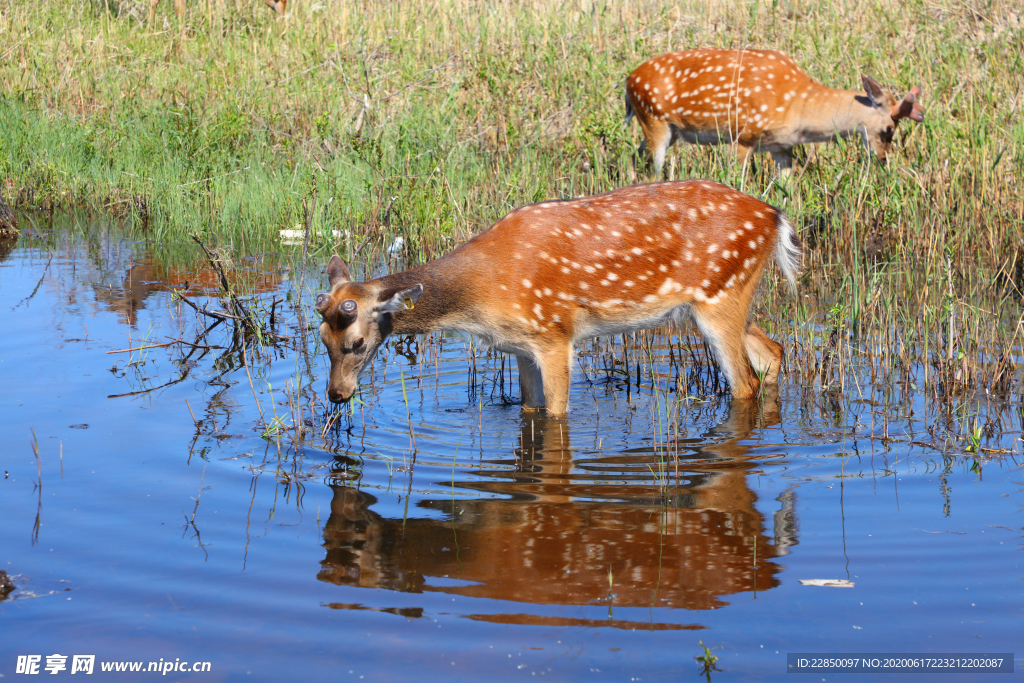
(758, 100)
(550, 274)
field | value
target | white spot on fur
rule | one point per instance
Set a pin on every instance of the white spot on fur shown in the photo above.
(668, 286)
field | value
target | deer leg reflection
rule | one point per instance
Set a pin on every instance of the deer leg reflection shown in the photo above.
(549, 531)
(544, 440)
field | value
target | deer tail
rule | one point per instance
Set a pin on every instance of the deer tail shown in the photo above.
(788, 250)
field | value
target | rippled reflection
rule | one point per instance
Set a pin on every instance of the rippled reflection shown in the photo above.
(559, 521)
(147, 276)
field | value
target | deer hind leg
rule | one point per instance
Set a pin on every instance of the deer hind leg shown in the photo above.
(724, 328)
(736, 342)
(764, 353)
(657, 139)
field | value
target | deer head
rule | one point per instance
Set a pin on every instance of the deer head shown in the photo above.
(356, 321)
(879, 129)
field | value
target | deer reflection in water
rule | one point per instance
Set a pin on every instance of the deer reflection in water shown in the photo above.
(148, 276)
(564, 520)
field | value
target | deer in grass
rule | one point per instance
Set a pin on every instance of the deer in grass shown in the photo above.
(757, 100)
(550, 274)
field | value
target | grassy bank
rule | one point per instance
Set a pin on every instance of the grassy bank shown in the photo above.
(430, 120)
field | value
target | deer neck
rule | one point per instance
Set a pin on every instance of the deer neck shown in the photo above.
(829, 114)
(446, 299)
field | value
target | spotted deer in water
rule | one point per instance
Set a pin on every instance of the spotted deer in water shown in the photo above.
(550, 274)
(757, 100)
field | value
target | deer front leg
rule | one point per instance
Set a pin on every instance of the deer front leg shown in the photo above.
(783, 162)
(742, 152)
(554, 363)
(531, 383)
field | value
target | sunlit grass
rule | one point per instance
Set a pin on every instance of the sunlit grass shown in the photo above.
(430, 120)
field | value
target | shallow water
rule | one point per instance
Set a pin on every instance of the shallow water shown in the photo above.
(482, 544)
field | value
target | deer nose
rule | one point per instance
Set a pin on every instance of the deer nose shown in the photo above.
(337, 395)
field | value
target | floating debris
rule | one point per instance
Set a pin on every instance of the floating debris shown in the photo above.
(834, 583)
(291, 237)
(396, 247)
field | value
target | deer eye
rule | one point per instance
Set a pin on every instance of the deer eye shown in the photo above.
(348, 306)
(358, 344)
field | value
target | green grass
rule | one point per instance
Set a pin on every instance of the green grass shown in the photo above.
(433, 119)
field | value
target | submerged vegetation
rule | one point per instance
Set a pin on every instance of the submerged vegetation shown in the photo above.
(430, 120)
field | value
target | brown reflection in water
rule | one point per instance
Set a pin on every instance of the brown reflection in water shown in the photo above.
(560, 622)
(147, 276)
(7, 244)
(562, 523)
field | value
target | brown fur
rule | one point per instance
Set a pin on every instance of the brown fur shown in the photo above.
(550, 274)
(757, 100)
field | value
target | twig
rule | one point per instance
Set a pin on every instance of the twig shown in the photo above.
(170, 343)
(200, 495)
(196, 422)
(204, 310)
(310, 213)
(146, 346)
(183, 377)
(245, 359)
(29, 297)
(196, 346)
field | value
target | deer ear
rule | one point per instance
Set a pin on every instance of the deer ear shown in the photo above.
(909, 107)
(396, 299)
(337, 272)
(876, 93)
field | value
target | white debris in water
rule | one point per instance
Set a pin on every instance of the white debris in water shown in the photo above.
(291, 237)
(834, 583)
(396, 247)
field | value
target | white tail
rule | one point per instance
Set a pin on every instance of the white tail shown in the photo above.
(758, 100)
(550, 274)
